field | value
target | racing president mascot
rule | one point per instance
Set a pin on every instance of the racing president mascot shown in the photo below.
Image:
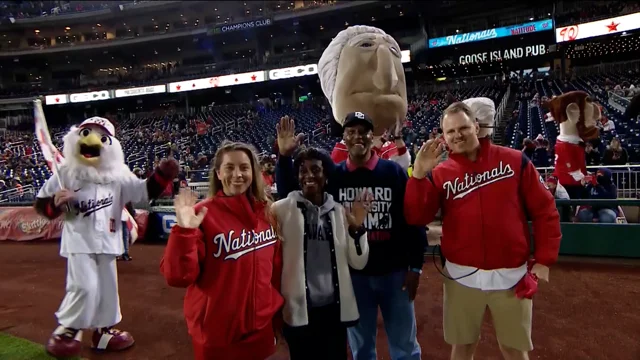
(485, 112)
(577, 116)
(90, 190)
(361, 71)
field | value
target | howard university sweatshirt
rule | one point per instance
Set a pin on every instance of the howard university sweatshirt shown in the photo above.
(393, 245)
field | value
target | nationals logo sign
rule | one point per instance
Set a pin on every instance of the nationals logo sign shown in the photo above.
(598, 28)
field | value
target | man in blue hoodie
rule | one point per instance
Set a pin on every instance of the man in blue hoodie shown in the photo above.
(390, 279)
(603, 188)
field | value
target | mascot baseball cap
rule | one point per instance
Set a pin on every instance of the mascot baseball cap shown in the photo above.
(105, 124)
(358, 118)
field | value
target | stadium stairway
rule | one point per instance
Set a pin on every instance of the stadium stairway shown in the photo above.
(499, 136)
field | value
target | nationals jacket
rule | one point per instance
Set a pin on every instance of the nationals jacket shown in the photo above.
(231, 267)
(485, 205)
(570, 160)
(388, 151)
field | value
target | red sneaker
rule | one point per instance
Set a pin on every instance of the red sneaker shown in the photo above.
(64, 343)
(110, 339)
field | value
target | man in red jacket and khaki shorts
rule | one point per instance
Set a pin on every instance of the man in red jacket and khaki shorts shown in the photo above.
(487, 194)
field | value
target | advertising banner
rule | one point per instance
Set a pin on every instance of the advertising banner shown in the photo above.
(312, 69)
(25, 224)
(90, 96)
(527, 28)
(504, 54)
(146, 90)
(598, 28)
(245, 25)
(161, 220)
(56, 99)
(295, 71)
(217, 81)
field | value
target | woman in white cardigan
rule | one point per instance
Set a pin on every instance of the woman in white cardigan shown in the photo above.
(320, 241)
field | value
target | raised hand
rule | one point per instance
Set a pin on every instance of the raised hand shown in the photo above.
(427, 158)
(357, 212)
(287, 140)
(186, 216)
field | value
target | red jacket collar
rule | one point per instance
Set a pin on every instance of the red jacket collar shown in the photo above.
(485, 146)
(371, 164)
(243, 206)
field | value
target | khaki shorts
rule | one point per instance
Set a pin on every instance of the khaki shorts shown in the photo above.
(464, 309)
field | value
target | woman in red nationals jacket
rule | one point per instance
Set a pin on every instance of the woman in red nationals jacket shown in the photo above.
(226, 253)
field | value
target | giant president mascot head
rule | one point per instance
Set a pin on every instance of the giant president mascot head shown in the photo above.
(576, 113)
(92, 153)
(361, 71)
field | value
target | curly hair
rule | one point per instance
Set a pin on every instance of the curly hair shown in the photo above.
(312, 153)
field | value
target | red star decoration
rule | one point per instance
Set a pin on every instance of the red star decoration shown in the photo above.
(57, 99)
(253, 77)
(236, 80)
(613, 26)
(178, 87)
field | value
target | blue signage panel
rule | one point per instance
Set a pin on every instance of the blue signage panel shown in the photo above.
(528, 28)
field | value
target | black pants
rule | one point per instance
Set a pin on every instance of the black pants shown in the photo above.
(325, 338)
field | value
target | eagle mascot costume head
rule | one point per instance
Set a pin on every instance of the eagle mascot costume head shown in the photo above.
(93, 153)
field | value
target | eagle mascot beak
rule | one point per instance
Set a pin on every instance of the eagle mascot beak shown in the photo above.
(90, 147)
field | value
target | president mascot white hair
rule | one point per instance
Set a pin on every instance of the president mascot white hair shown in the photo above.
(90, 190)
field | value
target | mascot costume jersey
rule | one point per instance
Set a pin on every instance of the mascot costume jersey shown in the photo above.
(98, 184)
(357, 76)
(577, 116)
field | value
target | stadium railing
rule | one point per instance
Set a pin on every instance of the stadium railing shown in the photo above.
(607, 68)
(625, 178)
(618, 102)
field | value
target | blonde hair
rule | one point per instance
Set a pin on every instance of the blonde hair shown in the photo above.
(456, 108)
(257, 187)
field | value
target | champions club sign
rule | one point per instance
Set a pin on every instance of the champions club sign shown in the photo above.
(246, 25)
(506, 54)
(526, 28)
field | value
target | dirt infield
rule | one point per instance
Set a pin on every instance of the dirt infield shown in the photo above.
(588, 311)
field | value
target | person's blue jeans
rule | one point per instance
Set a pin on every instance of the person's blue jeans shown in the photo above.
(606, 216)
(125, 237)
(386, 292)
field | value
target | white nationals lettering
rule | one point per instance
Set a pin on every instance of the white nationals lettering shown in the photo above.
(460, 188)
(247, 241)
(88, 207)
(378, 221)
(506, 54)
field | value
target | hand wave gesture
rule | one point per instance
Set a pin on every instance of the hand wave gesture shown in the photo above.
(287, 140)
(186, 216)
(427, 158)
(357, 212)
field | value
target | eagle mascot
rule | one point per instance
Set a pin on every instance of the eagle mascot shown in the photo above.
(90, 190)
